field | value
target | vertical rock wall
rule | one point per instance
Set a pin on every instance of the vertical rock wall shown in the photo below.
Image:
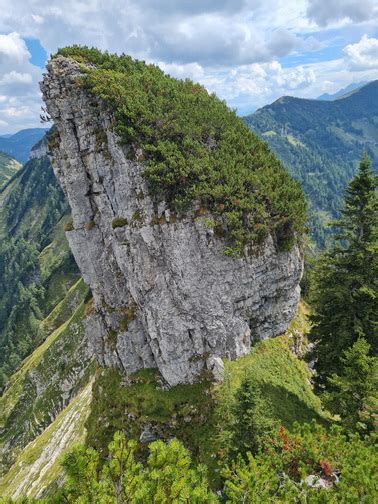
(165, 295)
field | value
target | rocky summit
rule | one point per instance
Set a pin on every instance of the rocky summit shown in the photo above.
(165, 295)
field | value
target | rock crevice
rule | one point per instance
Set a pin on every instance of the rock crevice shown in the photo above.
(165, 295)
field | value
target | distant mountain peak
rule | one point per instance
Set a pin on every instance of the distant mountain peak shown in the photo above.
(18, 145)
(344, 91)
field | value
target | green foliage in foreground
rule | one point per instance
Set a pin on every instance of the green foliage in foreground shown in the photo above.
(169, 476)
(266, 388)
(345, 292)
(346, 464)
(255, 420)
(278, 474)
(196, 149)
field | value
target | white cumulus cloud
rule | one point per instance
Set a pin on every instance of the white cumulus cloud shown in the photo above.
(192, 71)
(257, 84)
(19, 93)
(324, 12)
(187, 31)
(16, 78)
(363, 55)
(13, 49)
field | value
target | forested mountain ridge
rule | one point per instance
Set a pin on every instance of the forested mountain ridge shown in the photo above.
(320, 142)
(44, 359)
(30, 208)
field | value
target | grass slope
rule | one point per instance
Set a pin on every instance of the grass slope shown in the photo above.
(38, 466)
(201, 415)
(184, 411)
(55, 324)
(8, 168)
(48, 380)
(283, 378)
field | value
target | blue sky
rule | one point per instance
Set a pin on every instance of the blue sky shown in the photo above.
(249, 52)
(38, 54)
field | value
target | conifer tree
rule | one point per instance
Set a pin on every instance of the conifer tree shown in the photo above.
(354, 395)
(344, 297)
(255, 422)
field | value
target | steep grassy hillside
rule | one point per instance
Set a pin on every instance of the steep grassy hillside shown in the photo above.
(33, 279)
(38, 466)
(44, 358)
(8, 168)
(321, 143)
(48, 379)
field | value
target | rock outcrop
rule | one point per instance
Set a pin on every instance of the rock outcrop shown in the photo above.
(165, 295)
(40, 149)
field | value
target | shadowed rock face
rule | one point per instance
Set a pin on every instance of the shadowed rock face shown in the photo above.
(165, 295)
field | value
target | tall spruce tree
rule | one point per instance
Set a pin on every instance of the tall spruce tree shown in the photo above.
(255, 423)
(354, 392)
(344, 296)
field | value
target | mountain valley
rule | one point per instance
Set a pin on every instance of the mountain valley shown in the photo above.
(151, 257)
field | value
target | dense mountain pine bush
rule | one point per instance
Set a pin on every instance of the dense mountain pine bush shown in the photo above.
(345, 464)
(196, 149)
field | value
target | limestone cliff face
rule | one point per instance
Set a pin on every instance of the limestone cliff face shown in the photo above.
(165, 295)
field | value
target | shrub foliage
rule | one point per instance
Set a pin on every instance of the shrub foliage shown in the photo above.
(196, 149)
(283, 472)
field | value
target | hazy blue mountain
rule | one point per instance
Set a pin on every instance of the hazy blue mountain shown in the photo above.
(341, 92)
(321, 143)
(18, 145)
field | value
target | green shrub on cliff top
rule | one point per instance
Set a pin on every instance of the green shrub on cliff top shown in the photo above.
(196, 149)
